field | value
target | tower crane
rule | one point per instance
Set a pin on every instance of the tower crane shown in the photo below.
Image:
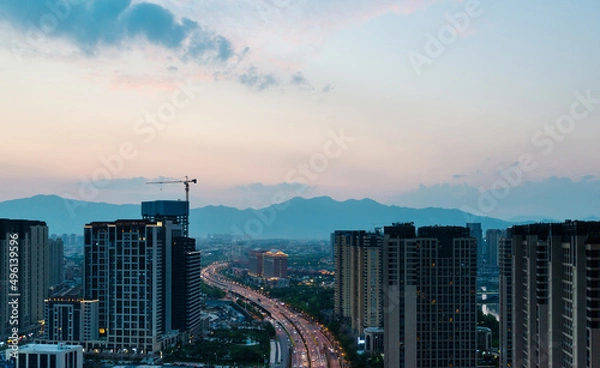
(185, 182)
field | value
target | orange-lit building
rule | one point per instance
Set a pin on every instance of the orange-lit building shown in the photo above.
(275, 264)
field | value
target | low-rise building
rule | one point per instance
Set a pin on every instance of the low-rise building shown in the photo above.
(49, 356)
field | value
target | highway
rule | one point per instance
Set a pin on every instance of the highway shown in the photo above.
(310, 348)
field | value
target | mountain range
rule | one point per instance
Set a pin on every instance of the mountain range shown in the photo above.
(298, 218)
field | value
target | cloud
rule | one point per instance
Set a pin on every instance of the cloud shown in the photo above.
(203, 42)
(295, 21)
(98, 27)
(327, 88)
(234, 39)
(258, 81)
(298, 80)
(158, 25)
(283, 35)
(91, 24)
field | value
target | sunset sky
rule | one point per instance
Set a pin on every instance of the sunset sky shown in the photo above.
(491, 107)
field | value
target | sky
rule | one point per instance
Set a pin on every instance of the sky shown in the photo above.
(489, 107)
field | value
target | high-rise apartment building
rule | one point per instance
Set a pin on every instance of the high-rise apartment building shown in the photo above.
(343, 243)
(31, 284)
(359, 283)
(56, 253)
(128, 268)
(255, 262)
(550, 295)
(476, 232)
(492, 246)
(430, 307)
(275, 264)
(506, 303)
(182, 272)
(186, 285)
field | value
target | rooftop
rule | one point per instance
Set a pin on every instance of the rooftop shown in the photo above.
(48, 347)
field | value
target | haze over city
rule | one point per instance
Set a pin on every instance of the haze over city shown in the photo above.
(412, 103)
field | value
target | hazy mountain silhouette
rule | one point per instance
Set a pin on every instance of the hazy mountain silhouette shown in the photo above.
(297, 218)
(318, 217)
(64, 215)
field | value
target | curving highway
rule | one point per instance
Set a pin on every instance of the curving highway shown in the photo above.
(308, 345)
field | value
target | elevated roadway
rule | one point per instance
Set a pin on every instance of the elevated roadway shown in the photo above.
(307, 344)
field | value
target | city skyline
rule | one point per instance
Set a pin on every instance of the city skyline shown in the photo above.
(414, 103)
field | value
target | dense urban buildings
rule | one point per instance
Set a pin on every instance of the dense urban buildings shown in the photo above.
(32, 282)
(430, 308)
(550, 291)
(359, 283)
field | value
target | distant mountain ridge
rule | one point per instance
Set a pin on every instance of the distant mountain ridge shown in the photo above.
(298, 218)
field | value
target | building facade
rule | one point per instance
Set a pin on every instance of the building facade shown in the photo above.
(358, 284)
(255, 262)
(128, 269)
(68, 318)
(29, 240)
(430, 307)
(49, 356)
(275, 264)
(492, 246)
(186, 285)
(506, 317)
(56, 254)
(476, 232)
(178, 212)
(553, 292)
